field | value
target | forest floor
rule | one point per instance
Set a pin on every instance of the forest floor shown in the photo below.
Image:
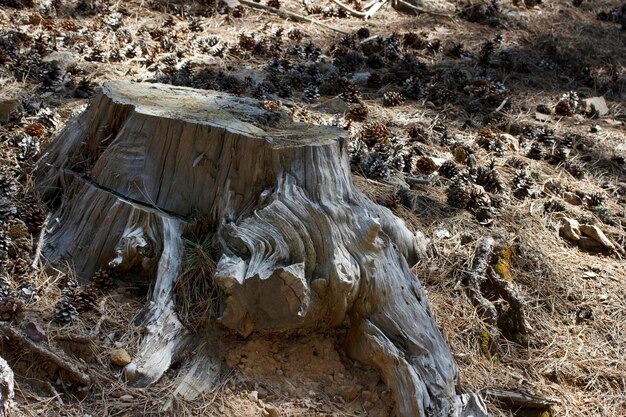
(470, 123)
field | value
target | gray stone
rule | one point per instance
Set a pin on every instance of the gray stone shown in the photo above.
(595, 106)
(60, 59)
(6, 107)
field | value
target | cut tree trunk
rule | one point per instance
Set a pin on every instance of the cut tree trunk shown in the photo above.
(300, 246)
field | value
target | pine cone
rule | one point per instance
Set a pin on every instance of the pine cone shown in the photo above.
(423, 165)
(350, 93)
(246, 42)
(22, 265)
(448, 169)
(83, 298)
(274, 3)
(535, 151)
(6, 290)
(10, 309)
(478, 198)
(357, 113)
(7, 209)
(311, 93)
(33, 213)
(417, 133)
(65, 312)
(392, 99)
(575, 169)
(17, 229)
(490, 179)
(374, 133)
(596, 199)
(522, 184)
(104, 280)
(8, 186)
(375, 167)
(458, 194)
(553, 206)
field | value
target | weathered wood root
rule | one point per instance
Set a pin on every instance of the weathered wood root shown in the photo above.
(482, 275)
(518, 399)
(509, 292)
(7, 394)
(67, 365)
(477, 276)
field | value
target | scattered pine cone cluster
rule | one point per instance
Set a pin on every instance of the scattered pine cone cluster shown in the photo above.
(373, 133)
(357, 113)
(392, 99)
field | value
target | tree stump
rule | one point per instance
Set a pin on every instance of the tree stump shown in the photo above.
(300, 247)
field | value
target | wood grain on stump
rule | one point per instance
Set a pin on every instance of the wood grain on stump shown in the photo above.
(300, 246)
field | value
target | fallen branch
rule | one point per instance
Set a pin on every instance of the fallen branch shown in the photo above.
(509, 293)
(477, 275)
(290, 15)
(518, 399)
(84, 339)
(376, 7)
(37, 256)
(41, 350)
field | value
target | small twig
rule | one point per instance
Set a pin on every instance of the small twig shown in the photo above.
(420, 10)
(84, 339)
(53, 391)
(376, 7)
(42, 350)
(37, 256)
(290, 15)
(477, 275)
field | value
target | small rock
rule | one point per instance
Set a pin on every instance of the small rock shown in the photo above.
(334, 105)
(126, 397)
(130, 371)
(262, 392)
(61, 59)
(595, 106)
(253, 396)
(570, 229)
(589, 275)
(271, 410)
(348, 392)
(120, 357)
(598, 235)
(511, 140)
(34, 331)
(6, 107)
(589, 243)
(572, 199)
(542, 117)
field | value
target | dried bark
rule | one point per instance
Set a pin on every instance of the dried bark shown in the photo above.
(7, 394)
(300, 246)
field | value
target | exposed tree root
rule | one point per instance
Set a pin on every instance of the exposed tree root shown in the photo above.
(70, 368)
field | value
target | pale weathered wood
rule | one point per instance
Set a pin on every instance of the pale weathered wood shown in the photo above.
(300, 246)
(7, 394)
